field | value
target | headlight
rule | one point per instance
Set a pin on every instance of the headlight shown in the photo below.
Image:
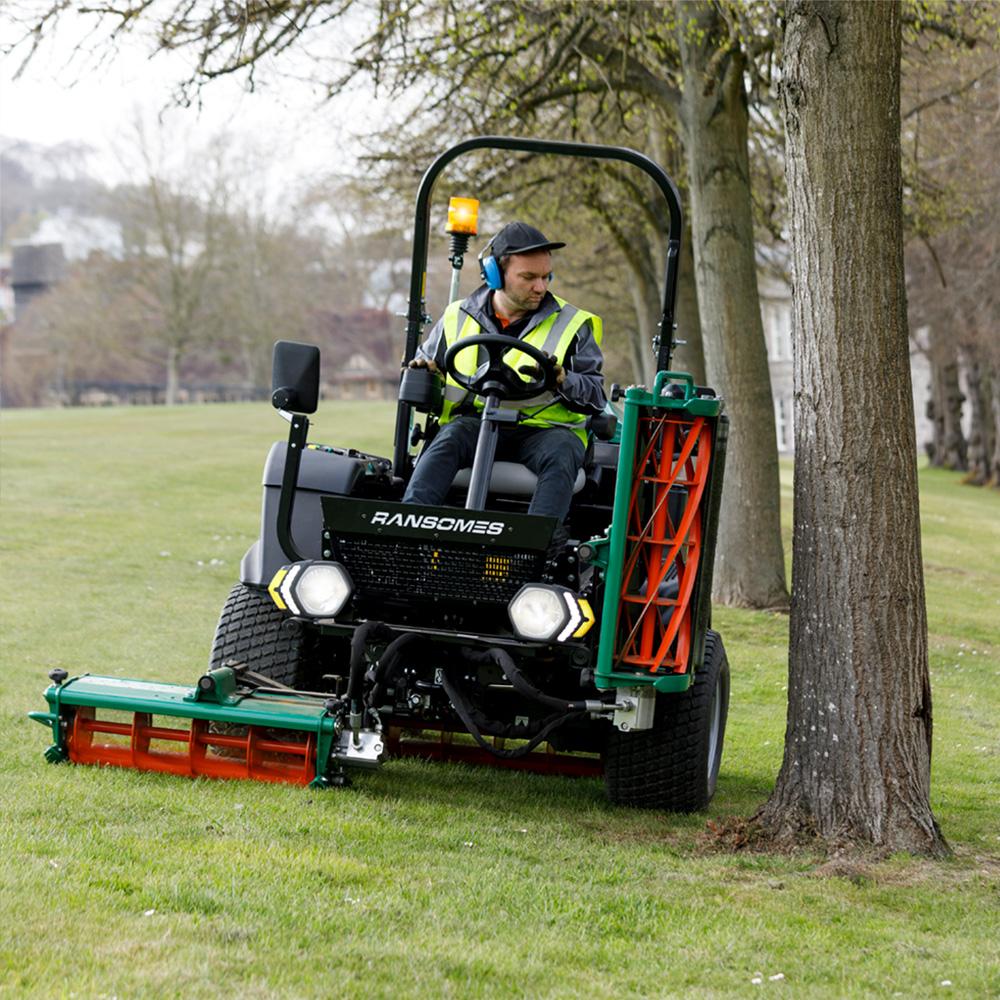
(323, 589)
(315, 589)
(544, 613)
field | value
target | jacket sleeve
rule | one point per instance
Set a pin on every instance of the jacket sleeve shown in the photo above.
(583, 390)
(434, 347)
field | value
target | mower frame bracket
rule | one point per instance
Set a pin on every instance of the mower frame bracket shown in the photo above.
(634, 708)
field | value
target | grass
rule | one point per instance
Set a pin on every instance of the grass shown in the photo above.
(121, 534)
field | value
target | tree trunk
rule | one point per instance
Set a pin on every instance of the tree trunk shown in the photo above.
(856, 765)
(934, 447)
(641, 341)
(989, 389)
(950, 449)
(173, 376)
(980, 424)
(750, 562)
(689, 356)
(645, 287)
(994, 476)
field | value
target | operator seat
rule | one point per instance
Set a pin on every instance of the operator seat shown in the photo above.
(511, 479)
(517, 480)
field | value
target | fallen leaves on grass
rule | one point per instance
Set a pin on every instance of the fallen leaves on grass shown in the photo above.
(735, 833)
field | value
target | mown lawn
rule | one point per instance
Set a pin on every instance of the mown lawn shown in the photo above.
(122, 532)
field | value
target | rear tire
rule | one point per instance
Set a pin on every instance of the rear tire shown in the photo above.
(674, 766)
(254, 632)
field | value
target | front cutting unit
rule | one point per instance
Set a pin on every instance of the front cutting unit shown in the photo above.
(223, 727)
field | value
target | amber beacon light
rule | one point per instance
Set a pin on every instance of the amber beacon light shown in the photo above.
(463, 216)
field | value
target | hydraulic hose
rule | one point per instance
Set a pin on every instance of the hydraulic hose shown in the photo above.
(357, 668)
(466, 713)
(386, 666)
(520, 683)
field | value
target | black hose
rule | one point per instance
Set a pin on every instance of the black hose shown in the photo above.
(384, 668)
(519, 682)
(505, 730)
(466, 713)
(357, 669)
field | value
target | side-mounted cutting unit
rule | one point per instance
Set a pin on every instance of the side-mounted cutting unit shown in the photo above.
(362, 627)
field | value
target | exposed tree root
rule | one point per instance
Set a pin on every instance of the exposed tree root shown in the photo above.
(799, 835)
(856, 863)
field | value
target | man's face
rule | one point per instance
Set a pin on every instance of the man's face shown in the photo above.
(526, 278)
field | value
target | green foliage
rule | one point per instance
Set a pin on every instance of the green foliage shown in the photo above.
(121, 534)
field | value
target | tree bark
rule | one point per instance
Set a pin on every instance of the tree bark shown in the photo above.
(856, 766)
(689, 356)
(950, 448)
(170, 393)
(980, 445)
(994, 477)
(641, 342)
(934, 446)
(750, 562)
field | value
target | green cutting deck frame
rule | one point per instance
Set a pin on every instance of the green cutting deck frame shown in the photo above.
(228, 731)
(473, 631)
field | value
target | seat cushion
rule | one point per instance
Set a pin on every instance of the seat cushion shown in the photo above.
(511, 479)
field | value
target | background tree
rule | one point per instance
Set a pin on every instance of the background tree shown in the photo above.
(572, 56)
(173, 230)
(269, 279)
(76, 333)
(39, 180)
(200, 279)
(856, 764)
(951, 127)
(750, 567)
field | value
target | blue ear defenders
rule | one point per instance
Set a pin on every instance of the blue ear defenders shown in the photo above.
(489, 267)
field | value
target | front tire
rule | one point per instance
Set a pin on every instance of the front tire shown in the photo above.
(254, 632)
(675, 765)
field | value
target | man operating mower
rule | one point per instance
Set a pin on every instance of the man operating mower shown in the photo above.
(550, 434)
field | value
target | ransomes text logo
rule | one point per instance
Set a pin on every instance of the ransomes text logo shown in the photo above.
(431, 522)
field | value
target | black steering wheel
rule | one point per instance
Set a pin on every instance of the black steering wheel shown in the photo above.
(496, 376)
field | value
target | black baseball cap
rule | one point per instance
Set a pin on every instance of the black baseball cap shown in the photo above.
(519, 237)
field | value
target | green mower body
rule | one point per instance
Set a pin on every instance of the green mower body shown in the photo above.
(471, 632)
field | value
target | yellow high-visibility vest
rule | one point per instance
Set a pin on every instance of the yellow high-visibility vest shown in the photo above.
(553, 335)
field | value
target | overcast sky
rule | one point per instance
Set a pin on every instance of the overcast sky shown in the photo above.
(62, 96)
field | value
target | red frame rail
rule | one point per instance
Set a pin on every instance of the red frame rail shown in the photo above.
(403, 742)
(257, 755)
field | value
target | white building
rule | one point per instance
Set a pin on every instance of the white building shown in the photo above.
(776, 313)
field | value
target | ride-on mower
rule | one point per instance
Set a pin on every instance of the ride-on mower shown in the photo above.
(362, 627)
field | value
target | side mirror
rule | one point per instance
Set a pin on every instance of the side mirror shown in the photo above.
(295, 377)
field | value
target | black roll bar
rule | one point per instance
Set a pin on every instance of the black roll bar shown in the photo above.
(415, 316)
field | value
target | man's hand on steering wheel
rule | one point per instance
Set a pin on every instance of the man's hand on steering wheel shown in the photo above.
(558, 372)
(495, 376)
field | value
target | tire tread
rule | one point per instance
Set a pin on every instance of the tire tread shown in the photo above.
(665, 767)
(253, 631)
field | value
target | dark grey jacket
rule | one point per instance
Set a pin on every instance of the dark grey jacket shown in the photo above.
(583, 390)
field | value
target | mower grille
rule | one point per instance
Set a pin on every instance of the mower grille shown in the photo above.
(425, 571)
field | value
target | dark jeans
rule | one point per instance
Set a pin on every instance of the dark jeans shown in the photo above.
(554, 454)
